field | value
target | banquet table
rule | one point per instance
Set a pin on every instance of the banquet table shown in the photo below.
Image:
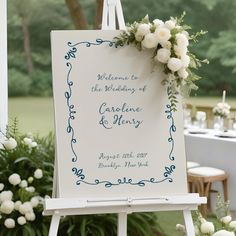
(220, 152)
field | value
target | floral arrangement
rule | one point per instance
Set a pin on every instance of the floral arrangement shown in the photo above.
(169, 43)
(19, 202)
(25, 181)
(222, 109)
(223, 224)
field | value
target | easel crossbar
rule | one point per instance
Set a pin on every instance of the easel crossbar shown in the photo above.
(92, 206)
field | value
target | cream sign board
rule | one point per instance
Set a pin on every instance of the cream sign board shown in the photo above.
(116, 134)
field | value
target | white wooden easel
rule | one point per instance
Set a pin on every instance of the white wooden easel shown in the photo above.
(3, 66)
(58, 207)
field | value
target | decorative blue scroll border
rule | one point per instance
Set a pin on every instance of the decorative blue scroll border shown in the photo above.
(78, 172)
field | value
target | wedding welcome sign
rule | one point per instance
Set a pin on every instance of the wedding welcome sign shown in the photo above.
(116, 134)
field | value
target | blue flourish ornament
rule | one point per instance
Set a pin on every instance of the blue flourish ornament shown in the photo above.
(124, 181)
(78, 173)
(169, 170)
(71, 112)
(172, 129)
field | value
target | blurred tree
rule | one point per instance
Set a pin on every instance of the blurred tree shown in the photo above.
(42, 17)
(98, 16)
(23, 8)
(77, 14)
(216, 16)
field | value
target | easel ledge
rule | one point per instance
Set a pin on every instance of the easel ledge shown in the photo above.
(74, 206)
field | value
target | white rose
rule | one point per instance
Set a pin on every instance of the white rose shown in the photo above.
(30, 216)
(33, 144)
(163, 55)
(23, 184)
(27, 141)
(34, 201)
(143, 29)
(158, 22)
(182, 73)
(21, 220)
(14, 179)
(150, 41)
(25, 208)
(174, 64)
(170, 24)
(30, 189)
(30, 179)
(38, 174)
(223, 233)
(17, 205)
(180, 51)
(226, 219)
(185, 60)
(163, 35)
(182, 40)
(6, 195)
(166, 45)
(232, 224)
(1, 186)
(207, 227)
(180, 228)
(10, 144)
(7, 207)
(9, 223)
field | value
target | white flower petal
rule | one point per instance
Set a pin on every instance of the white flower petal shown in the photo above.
(14, 179)
(9, 223)
(7, 207)
(170, 24)
(223, 233)
(21, 220)
(207, 227)
(10, 144)
(163, 34)
(163, 55)
(174, 64)
(150, 41)
(38, 174)
(143, 29)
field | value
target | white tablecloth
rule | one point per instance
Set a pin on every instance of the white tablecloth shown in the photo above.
(209, 150)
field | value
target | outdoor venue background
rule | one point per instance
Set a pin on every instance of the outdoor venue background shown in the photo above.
(30, 23)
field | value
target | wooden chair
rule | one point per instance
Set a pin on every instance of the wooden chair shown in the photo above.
(202, 178)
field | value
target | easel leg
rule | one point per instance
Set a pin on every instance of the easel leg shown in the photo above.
(189, 223)
(122, 224)
(54, 224)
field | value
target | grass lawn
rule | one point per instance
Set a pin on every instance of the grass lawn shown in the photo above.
(34, 114)
(168, 220)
